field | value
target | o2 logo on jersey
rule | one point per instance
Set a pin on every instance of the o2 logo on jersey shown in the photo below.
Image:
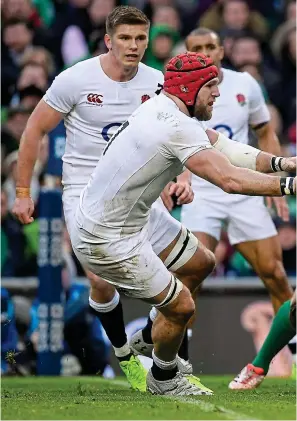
(224, 129)
(106, 130)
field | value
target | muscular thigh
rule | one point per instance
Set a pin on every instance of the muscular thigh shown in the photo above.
(261, 254)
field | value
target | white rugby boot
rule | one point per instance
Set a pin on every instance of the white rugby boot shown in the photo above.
(178, 386)
(140, 347)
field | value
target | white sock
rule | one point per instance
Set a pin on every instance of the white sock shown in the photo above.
(123, 351)
(105, 307)
(164, 365)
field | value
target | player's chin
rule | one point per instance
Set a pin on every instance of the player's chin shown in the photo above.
(131, 63)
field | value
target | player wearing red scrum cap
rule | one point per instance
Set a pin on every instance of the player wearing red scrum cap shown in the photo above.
(112, 228)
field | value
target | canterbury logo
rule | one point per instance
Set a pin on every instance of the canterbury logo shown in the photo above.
(95, 98)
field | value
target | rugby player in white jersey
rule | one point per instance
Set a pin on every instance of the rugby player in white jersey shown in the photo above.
(113, 227)
(95, 97)
(249, 225)
(241, 105)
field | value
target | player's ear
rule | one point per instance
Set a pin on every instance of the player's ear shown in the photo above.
(107, 40)
(222, 52)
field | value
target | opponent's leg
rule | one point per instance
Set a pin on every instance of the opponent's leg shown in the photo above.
(282, 330)
(105, 303)
(265, 256)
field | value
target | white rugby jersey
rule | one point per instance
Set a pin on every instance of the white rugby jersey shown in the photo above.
(95, 106)
(147, 152)
(241, 103)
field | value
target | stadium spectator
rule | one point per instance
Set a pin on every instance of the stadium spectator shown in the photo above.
(246, 50)
(162, 40)
(236, 15)
(167, 15)
(39, 56)
(288, 75)
(30, 96)
(287, 236)
(21, 9)
(12, 130)
(12, 242)
(75, 45)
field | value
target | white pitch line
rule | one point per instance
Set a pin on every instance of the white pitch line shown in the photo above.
(204, 406)
(210, 407)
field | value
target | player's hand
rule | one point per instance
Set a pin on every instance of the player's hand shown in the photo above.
(281, 206)
(23, 209)
(289, 164)
(166, 197)
(183, 191)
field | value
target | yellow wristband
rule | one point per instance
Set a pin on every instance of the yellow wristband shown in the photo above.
(22, 192)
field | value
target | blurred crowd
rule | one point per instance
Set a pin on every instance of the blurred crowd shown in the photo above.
(40, 38)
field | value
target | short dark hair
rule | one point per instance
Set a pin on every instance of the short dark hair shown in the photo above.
(125, 15)
(203, 31)
(17, 21)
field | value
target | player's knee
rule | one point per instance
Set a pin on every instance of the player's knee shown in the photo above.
(208, 263)
(184, 308)
(273, 271)
(101, 291)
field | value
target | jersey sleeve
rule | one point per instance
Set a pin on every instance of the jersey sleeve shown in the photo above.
(258, 111)
(62, 95)
(186, 140)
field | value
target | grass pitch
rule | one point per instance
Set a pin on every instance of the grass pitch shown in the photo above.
(72, 398)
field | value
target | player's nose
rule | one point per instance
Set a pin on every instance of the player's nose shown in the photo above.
(133, 45)
(205, 52)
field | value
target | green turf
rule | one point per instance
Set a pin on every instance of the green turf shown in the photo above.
(85, 398)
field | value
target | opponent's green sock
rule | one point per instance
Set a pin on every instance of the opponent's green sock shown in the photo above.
(281, 332)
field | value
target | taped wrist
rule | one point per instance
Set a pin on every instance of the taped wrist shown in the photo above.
(276, 163)
(22, 192)
(287, 186)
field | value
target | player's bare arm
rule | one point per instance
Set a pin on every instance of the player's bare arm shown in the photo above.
(269, 142)
(246, 156)
(43, 119)
(215, 167)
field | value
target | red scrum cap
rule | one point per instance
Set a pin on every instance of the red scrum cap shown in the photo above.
(186, 73)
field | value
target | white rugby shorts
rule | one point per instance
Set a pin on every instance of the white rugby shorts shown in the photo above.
(246, 217)
(130, 263)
